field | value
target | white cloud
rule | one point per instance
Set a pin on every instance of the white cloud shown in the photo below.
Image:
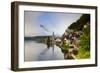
(63, 20)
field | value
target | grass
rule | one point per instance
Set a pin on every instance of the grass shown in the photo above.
(83, 54)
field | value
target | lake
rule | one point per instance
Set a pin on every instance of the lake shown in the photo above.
(35, 51)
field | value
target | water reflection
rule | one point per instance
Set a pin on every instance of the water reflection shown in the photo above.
(35, 51)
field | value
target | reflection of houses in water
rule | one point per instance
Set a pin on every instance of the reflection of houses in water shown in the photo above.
(48, 39)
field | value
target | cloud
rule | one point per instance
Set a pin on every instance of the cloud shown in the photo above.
(53, 21)
(30, 22)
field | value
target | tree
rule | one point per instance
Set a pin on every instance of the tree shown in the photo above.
(79, 24)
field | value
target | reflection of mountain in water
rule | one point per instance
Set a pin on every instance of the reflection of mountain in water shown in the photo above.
(39, 52)
(39, 39)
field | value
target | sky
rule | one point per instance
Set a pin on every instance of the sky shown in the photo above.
(45, 23)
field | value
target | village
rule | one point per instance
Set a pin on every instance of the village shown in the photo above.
(74, 43)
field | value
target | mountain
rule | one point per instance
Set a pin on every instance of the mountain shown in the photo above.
(79, 24)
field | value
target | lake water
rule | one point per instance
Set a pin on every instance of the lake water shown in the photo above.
(39, 52)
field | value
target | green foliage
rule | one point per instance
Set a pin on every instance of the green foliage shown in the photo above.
(83, 25)
(85, 39)
(65, 47)
(84, 44)
(79, 24)
(83, 54)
